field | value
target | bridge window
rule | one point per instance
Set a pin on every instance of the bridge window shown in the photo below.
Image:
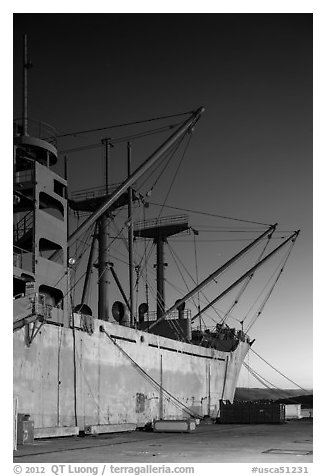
(51, 206)
(59, 188)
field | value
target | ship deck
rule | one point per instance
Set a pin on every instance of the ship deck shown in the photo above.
(209, 443)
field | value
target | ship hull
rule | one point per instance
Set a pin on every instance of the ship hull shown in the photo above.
(69, 378)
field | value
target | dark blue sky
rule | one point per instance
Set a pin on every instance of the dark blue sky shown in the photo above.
(251, 154)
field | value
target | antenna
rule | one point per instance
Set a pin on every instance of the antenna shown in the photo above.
(26, 65)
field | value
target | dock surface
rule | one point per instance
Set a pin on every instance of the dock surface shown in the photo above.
(209, 443)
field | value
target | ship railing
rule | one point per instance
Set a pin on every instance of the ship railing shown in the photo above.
(23, 259)
(40, 307)
(38, 129)
(174, 315)
(155, 222)
(240, 334)
(29, 305)
(95, 192)
(23, 225)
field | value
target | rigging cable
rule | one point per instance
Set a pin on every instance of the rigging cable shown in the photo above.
(166, 158)
(270, 386)
(176, 263)
(246, 282)
(268, 295)
(66, 271)
(248, 366)
(270, 365)
(87, 295)
(70, 288)
(174, 256)
(175, 325)
(108, 248)
(115, 126)
(195, 233)
(202, 292)
(120, 140)
(262, 291)
(177, 240)
(146, 260)
(81, 251)
(210, 214)
(139, 266)
(282, 269)
(176, 172)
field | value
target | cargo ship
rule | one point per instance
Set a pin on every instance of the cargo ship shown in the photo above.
(80, 370)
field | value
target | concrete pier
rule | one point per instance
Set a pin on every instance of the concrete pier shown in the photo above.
(291, 443)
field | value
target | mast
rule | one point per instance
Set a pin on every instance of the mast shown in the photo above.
(130, 243)
(152, 159)
(214, 275)
(25, 98)
(160, 298)
(159, 230)
(103, 249)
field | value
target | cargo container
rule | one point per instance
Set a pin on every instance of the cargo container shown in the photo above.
(293, 411)
(251, 412)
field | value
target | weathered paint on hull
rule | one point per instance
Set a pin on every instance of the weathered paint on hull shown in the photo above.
(110, 389)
